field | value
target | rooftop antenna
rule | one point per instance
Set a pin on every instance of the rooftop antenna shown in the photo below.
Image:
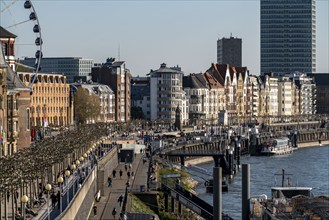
(119, 53)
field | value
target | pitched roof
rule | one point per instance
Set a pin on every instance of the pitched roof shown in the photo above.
(5, 33)
(192, 81)
(218, 71)
(212, 82)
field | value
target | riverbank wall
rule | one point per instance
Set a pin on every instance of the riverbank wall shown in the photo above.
(199, 160)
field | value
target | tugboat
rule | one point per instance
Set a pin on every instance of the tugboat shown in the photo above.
(277, 146)
(209, 184)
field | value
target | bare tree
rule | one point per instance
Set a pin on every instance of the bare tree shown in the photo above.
(86, 106)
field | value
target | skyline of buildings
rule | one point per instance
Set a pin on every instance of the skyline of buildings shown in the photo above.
(288, 36)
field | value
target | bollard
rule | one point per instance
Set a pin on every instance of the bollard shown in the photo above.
(245, 191)
(166, 202)
(217, 193)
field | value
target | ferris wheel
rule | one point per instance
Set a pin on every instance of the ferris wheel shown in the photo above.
(20, 22)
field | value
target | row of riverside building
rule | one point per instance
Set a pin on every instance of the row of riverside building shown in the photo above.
(240, 96)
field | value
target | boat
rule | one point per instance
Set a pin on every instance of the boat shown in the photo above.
(209, 184)
(289, 202)
(277, 146)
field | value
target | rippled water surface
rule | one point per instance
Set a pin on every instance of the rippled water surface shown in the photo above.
(309, 166)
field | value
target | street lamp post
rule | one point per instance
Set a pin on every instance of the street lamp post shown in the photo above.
(60, 180)
(25, 200)
(67, 174)
(48, 188)
(73, 167)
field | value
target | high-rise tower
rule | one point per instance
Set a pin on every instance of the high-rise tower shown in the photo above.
(229, 51)
(287, 34)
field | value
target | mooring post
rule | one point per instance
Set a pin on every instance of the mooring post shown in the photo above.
(166, 202)
(182, 160)
(238, 155)
(217, 193)
(245, 191)
(180, 211)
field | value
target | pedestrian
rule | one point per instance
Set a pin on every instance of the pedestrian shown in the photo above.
(109, 181)
(120, 172)
(114, 212)
(127, 183)
(53, 199)
(58, 199)
(113, 173)
(120, 200)
(126, 167)
(128, 174)
(95, 209)
(132, 175)
(130, 166)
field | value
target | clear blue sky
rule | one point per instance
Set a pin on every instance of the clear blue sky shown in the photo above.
(149, 33)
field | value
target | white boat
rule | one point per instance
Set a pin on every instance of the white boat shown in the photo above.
(277, 146)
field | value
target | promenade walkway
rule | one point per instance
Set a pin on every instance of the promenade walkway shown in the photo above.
(110, 201)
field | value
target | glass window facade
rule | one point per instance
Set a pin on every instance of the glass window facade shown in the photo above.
(288, 36)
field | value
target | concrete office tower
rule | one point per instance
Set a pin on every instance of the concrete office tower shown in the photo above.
(287, 36)
(229, 51)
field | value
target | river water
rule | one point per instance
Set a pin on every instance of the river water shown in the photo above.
(308, 166)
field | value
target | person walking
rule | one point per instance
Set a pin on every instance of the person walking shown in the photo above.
(114, 172)
(59, 199)
(132, 174)
(128, 174)
(53, 199)
(109, 181)
(120, 200)
(114, 212)
(120, 172)
(129, 166)
(95, 210)
(126, 167)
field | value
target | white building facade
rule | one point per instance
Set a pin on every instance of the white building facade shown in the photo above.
(166, 93)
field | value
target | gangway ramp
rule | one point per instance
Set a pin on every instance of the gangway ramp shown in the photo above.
(192, 202)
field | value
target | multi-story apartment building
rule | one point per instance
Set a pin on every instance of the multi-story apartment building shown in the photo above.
(321, 81)
(229, 51)
(307, 93)
(243, 94)
(72, 67)
(226, 75)
(206, 98)
(287, 36)
(285, 96)
(106, 99)
(255, 95)
(140, 95)
(50, 102)
(166, 94)
(117, 77)
(270, 97)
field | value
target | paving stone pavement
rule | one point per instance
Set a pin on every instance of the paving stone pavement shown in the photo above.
(110, 200)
